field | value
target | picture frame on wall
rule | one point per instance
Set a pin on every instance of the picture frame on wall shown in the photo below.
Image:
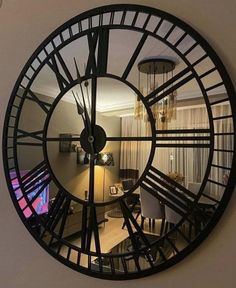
(69, 145)
(113, 190)
(119, 188)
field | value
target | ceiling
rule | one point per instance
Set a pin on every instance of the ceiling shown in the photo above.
(112, 94)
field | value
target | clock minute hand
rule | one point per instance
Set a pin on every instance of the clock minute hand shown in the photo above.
(87, 121)
(88, 124)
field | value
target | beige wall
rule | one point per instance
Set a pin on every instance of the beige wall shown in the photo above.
(23, 26)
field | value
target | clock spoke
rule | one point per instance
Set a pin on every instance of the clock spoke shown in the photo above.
(39, 139)
(130, 138)
(59, 139)
(91, 178)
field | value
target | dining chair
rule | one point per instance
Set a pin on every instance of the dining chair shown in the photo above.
(152, 209)
(194, 187)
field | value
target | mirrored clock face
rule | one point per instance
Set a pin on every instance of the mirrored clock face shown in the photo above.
(119, 142)
(100, 143)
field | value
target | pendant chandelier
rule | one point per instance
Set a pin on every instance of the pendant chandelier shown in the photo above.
(157, 71)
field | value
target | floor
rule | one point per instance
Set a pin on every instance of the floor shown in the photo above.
(111, 234)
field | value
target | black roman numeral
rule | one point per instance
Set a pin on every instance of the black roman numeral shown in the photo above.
(40, 186)
(29, 136)
(162, 91)
(55, 220)
(138, 239)
(43, 105)
(183, 138)
(168, 191)
(35, 178)
(89, 228)
(61, 71)
(98, 38)
(134, 56)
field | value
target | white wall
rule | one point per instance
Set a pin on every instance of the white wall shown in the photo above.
(23, 25)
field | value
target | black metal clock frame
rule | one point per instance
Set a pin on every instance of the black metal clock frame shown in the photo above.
(152, 179)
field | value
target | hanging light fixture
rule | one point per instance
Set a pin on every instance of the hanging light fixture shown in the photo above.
(158, 71)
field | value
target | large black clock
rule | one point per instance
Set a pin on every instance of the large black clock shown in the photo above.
(75, 100)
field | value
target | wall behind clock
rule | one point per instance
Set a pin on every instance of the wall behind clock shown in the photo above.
(23, 26)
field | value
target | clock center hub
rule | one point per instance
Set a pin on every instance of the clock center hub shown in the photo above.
(90, 139)
(98, 139)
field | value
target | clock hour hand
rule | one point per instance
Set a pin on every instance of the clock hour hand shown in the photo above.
(80, 109)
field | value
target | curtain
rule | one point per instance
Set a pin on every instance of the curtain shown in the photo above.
(190, 162)
(133, 153)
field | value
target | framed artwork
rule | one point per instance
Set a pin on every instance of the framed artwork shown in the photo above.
(113, 190)
(67, 143)
(119, 188)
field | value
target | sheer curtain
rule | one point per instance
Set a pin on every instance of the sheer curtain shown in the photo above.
(190, 162)
(133, 153)
(184, 159)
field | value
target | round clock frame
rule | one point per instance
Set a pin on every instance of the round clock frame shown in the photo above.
(46, 54)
